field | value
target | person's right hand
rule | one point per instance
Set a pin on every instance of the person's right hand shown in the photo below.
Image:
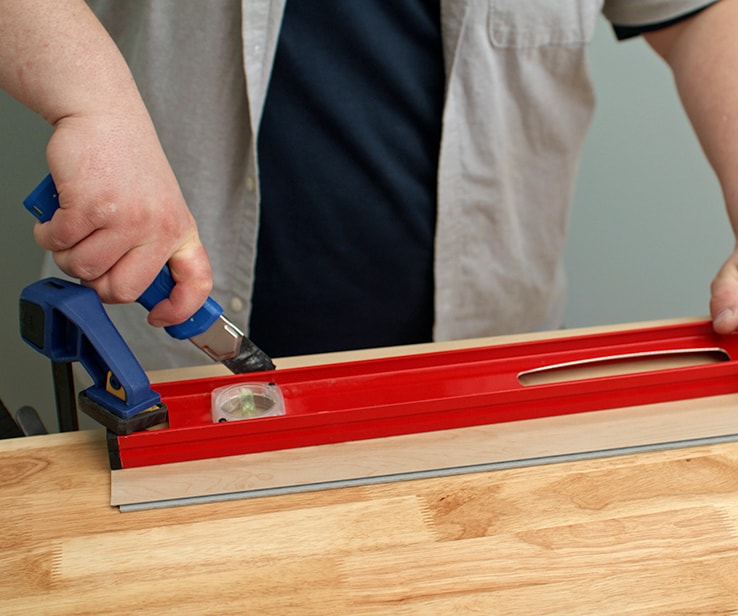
(122, 215)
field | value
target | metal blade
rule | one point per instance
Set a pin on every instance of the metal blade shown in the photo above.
(250, 358)
(224, 342)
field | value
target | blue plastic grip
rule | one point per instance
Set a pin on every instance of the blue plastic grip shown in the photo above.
(43, 201)
(199, 322)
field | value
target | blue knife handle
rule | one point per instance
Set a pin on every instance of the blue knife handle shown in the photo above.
(43, 201)
(199, 322)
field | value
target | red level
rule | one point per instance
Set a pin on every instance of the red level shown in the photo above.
(432, 391)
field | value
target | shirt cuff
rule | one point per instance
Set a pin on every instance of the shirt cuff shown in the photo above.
(625, 32)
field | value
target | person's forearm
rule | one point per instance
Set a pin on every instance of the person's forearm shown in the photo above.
(122, 214)
(703, 54)
(57, 59)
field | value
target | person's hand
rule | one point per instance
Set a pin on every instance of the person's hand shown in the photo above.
(702, 51)
(724, 297)
(122, 215)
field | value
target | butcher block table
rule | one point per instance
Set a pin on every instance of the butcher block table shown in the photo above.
(646, 533)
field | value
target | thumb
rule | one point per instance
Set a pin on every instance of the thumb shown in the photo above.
(724, 297)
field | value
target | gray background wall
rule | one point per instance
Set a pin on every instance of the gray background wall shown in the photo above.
(648, 230)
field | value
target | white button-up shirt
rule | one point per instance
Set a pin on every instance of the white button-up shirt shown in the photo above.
(518, 104)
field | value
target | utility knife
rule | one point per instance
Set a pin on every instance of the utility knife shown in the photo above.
(208, 329)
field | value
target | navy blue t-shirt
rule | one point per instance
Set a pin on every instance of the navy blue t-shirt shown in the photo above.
(348, 156)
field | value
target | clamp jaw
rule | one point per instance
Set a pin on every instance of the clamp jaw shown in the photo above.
(67, 322)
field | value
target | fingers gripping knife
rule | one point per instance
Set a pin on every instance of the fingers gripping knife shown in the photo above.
(208, 328)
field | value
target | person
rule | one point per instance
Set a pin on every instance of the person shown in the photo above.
(360, 173)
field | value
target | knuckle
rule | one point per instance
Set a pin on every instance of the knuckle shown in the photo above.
(203, 287)
(124, 296)
(119, 294)
(83, 268)
(57, 239)
(99, 205)
(78, 270)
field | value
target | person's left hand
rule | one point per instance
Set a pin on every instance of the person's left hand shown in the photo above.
(724, 296)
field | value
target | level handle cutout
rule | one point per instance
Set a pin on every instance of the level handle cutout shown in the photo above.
(615, 365)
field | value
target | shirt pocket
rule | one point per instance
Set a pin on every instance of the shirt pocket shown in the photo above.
(538, 23)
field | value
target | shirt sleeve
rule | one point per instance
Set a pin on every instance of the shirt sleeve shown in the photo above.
(631, 18)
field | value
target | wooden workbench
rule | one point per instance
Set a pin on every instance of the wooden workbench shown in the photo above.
(652, 533)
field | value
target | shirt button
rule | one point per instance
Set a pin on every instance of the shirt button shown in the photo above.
(250, 184)
(236, 304)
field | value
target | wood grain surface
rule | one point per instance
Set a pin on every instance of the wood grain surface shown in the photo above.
(646, 534)
(652, 533)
